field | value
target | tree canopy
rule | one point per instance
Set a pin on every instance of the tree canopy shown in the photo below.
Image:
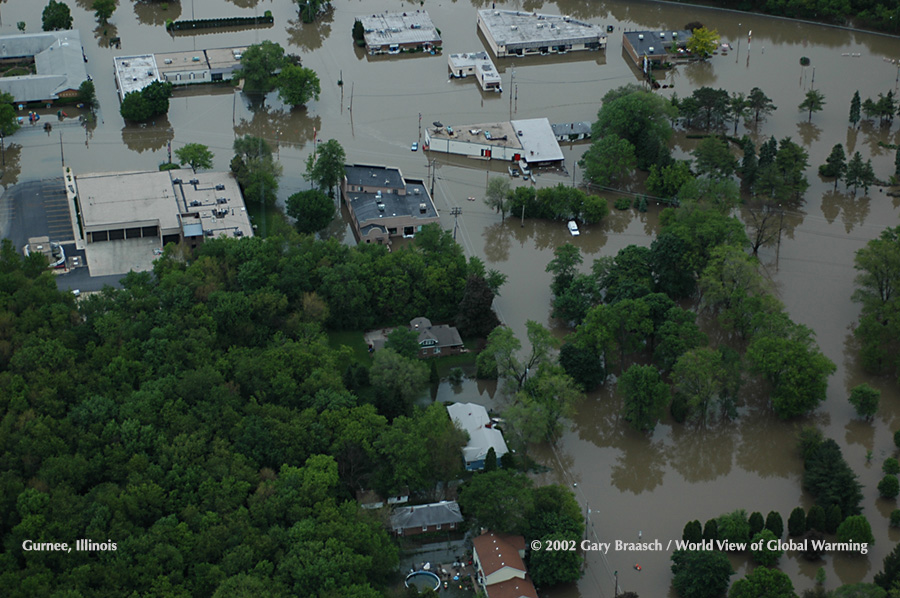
(195, 155)
(297, 85)
(325, 166)
(56, 15)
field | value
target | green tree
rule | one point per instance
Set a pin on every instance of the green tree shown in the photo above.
(734, 527)
(757, 523)
(835, 164)
(87, 95)
(713, 158)
(103, 9)
(325, 166)
(476, 316)
(693, 531)
(539, 408)
(775, 524)
(196, 155)
(259, 63)
(877, 281)
(255, 169)
(765, 556)
(496, 194)
(712, 104)
(700, 573)
(890, 571)
(760, 104)
(763, 581)
(309, 9)
(815, 519)
(554, 567)
(56, 15)
(404, 341)
(897, 164)
(738, 108)
(667, 180)
(855, 528)
(814, 102)
(699, 378)
(831, 481)
(583, 365)
(297, 85)
(8, 117)
(703, 42)
(564, 267)
(797, 522)
(157, 95)
(645, 396)
(865, 400)
(889, 487)
(711, 530)
(490, 460)
(854, 109)
(749, 164)
(891, 466)
(311, 209)
(397, 380)
(359, 32)
(608, 160)
(833, 518)
(502, 349)
(135, 107)
(499, 500)
(859, 590)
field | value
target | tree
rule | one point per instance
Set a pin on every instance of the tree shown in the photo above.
(404, 341)
(397, 380)
(87, 95)
(693, 531)
(815, 519)
(157, 95)
(855, 528)
(814, 102)
(539, 408)
(259, 63)
(713, 158)
(500, 500)
(700, 573)
(774, 524)
(359, 33)
(553, 567)
(646, 396)
(897, 164)
(835, 164)
(583, 365)
(734, 527)
(496, 193)
(8, 117)
(711, 530)
(889, 487)
(859, 173)
(865, 400)
(763, 581)
(738, 108)
(712, 103)
(831, 481)
(703, 42)
(859, 590)
(103, 9)
(765, 556)
(833, 518)
(310, 8)
(56, 16)
(666, 181)
(760, 104)
(891, 466)
(476, 317)
(854, 108)
(197, 155)
(255, 170)
(564, 267)
(297, 85)
(749, 164)
(325, 166)
(608, 160)
(877, 281)
(698, 377)
(890, 570)
(502, 349)
(757, 523)
(311, 209)
(797, 522)
(135, 107)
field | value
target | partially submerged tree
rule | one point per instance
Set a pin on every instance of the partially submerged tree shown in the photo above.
(703, 42)
(495, 195)
(325, 167)
(814, 102)
(195, 155)
(56, 15)
(312, 210)
(297, 85)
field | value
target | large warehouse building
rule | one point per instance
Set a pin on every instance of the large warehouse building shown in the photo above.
(516, 33)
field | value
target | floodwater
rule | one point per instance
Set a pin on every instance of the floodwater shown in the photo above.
(635, 485)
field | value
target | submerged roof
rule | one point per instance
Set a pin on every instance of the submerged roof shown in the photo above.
(58, 62)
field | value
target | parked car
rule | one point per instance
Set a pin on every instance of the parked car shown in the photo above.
(415, 146)
(573, 228)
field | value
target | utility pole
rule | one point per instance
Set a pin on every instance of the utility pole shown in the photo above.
(62, 157)
(456, 211)
(420, 126)
(433, 168)
(512, 79)
(616, 591)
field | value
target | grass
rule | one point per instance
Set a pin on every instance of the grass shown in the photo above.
(353, 339)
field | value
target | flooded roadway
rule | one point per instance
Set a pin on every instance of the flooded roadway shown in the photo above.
(632, 483)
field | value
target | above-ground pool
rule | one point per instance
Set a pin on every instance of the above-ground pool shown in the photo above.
(424, 580)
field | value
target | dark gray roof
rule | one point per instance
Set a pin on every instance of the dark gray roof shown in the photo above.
(439, 513)
(365, 205)
(58, 61)
(446, 336)
(658, 40)
(373, 176)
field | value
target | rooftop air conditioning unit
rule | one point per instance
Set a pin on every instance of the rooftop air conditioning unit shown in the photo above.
(176, 181)
(221, 200)
(194, 182)
(168, 61)
(220, 187)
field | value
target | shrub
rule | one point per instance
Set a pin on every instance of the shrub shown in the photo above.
(623, 203)
(855, 528)
(757, 523)
(775, 524)
(815, 519)
(797, 522)
(891, 466)
(895, 518)
(765, 557)
(889, 487)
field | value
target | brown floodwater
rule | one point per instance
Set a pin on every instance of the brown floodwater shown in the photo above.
(635, 485)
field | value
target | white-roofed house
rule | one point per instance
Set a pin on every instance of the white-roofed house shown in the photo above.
(483, 436)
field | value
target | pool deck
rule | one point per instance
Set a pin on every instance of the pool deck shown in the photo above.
(447, 571)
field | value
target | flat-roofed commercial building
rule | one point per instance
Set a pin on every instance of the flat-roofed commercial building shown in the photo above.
(530, 140)
(134, 73)
(175, 205)
(391, 32)
(657, 46)
(516, 33)
(384, 205)
(478, 65)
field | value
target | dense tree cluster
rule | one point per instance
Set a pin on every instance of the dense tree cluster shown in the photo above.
(264, 67)
(831, 481)
(56, 15)
(153, 100)
(554, 203)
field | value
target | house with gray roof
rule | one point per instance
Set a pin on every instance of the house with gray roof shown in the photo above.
(383, 205)
(57, 59)
(420, 519)
(436, 340)
(483, 436)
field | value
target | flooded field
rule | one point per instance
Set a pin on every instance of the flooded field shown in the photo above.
(634, 484)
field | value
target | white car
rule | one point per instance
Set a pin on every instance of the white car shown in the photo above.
(414, 147)
(573, 228)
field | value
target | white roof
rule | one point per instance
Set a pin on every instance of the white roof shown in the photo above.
(538, 141)
(473, 418)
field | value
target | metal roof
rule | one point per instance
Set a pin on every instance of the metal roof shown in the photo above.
(538, 141)
(58, 61)
(578, 128)
(473, 418)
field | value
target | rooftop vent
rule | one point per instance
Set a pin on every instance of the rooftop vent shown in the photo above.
(194, 203)
(220, 187)
(422, 208)
(380, 206)
(168, 61)
(221, 200)
(208, 232)
(176, 181)
(650, 49)
(417, 191)
(238, 232)
(194, 182)
(640, 36)
(514, 27)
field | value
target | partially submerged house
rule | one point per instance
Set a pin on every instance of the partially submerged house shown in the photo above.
(499, 566)
(529, 140)
(52, 64)
(420, 519)
(483, 436)
(436, 340)
(572, 131)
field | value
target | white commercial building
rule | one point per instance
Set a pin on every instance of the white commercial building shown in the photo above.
(517, 33)
(478, 65)
(530, 140)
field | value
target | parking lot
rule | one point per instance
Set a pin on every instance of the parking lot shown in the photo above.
(35, 209)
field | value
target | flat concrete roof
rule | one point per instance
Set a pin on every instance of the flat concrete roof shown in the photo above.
(469, 59)
(659, 41)
(365, 205)
(134, 73)
(399, 28)
(538, 141)
(121, 256)
(516, 29)
(502, 134)
(180, 61)
(225, 58)
(220, 210)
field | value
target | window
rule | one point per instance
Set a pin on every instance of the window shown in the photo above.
(437, 350)
(438, 526)
(424, 528)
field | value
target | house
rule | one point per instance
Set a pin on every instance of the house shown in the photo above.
(499, 567)
(436, 340)
(54, 61)
(393, 32)
(572, 131)
(482, 435)
(657, 46)
(478, 65)
(517, 33)
(531, 140)
(420, 519)
(383, 205)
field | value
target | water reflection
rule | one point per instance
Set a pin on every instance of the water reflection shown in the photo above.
(152, 12)
(700, 73)
(809, 132)
(854, 209)
(104, 33)
(641, 465)
(768, 446)
(496, 242)
(851, 567)
(244, 3)
(852, 135)
(281, 128)
(876, 136)
(309, 36)
(10, 164)
(695, 458)
(860, 432)
(151, 136)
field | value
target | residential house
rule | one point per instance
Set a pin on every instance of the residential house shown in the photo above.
(369, 499)
(420, 519)
(483, 436)
(54, 61)
(440, 340)
(500, 570)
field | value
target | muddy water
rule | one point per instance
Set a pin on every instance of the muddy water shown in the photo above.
(633, 484)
